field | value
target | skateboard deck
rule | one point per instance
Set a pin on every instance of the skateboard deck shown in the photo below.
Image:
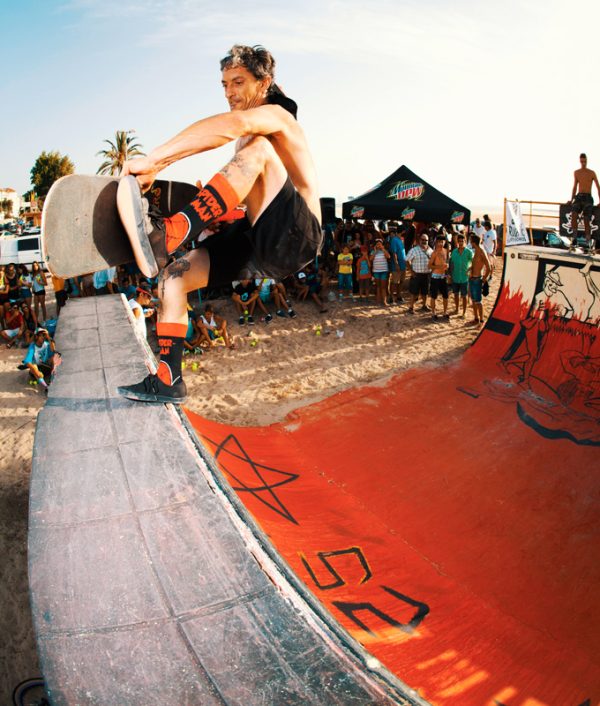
(81, 228)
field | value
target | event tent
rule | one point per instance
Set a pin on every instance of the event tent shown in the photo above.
(404, 196)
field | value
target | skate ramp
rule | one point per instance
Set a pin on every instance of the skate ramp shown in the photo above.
(448, 518)
(431, 539)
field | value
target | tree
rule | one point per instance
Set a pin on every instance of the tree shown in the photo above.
(122, 149)
(49, 167)
(6, 206)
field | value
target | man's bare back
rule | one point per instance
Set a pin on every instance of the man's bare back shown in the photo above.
(480, 265)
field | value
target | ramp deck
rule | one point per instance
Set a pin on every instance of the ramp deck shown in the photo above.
(147, 586)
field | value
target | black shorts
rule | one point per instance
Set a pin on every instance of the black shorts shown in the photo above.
(583, 203)
(284, 239)
(438, 286)
(419, 284)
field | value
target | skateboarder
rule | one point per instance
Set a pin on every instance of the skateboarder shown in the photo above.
(582, 200)
(272, 173)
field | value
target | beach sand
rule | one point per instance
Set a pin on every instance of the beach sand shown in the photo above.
(289, 366)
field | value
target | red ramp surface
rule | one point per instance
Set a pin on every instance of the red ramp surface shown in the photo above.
(448, 519)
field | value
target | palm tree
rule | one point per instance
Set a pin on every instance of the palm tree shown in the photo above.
(119, 151)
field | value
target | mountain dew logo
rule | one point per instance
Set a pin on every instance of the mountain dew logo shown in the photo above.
(357, 212)
(408, 214)
(406, 190)
(457, 217)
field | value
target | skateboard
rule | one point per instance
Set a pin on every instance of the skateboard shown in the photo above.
(81, 228)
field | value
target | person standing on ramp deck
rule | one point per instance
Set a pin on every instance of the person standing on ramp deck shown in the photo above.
(272, 173)
(581, 199)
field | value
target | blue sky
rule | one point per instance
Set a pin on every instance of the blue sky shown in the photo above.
(483, 100)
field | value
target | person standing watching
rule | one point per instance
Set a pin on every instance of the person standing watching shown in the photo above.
(480, 272)
(489, 243)
(418, 262)
(581, 199)
(460, 264)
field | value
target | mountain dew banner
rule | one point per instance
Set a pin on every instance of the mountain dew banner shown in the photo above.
(516, 232)
(405, 196)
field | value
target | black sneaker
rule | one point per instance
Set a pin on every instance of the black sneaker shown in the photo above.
(144, 225)
(153, 389)
(250, 320)
(242, 320)
(281, 312)
(291, 313)
(268, 318)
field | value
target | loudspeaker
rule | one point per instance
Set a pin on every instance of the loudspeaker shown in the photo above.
(327, 210)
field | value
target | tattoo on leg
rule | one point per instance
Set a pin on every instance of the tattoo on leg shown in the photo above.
(178, 268)
(239, 162)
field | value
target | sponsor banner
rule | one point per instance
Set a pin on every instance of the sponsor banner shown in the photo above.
(408, 214)
(357, 212)
(406, 191)
(516, 232)
(457, 217)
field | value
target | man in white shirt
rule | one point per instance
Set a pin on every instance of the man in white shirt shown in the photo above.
(489, 242)
(478, 229)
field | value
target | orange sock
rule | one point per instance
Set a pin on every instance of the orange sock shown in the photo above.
(170, 340)
(214, 200)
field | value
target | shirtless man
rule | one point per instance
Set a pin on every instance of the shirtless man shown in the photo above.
(480, 273)
(272, 173)
(582, 200)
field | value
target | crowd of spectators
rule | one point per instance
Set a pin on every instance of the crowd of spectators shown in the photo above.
(370, 259)
(387, 264)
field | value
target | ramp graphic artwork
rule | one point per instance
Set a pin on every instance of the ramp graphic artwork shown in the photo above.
(552, 363)
(448, 519)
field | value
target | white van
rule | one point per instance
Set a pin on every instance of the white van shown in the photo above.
(24, 250)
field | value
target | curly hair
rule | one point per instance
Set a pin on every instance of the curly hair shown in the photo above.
(258, 60)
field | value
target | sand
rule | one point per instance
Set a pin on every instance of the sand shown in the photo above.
(259, 383)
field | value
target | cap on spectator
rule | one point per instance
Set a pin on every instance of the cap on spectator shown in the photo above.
(39, 329)
(301, 275)
(143, 290)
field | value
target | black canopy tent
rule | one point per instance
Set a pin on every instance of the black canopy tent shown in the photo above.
(404, 196)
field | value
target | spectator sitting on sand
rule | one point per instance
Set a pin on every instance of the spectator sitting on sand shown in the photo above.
(309, 283)
(270, 290)
(245, 297)
(15, 326)
(127, 288)
(41, 358)
(31, 323)
(212, 326)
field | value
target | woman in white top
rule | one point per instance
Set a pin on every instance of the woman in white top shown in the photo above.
(380, 268)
